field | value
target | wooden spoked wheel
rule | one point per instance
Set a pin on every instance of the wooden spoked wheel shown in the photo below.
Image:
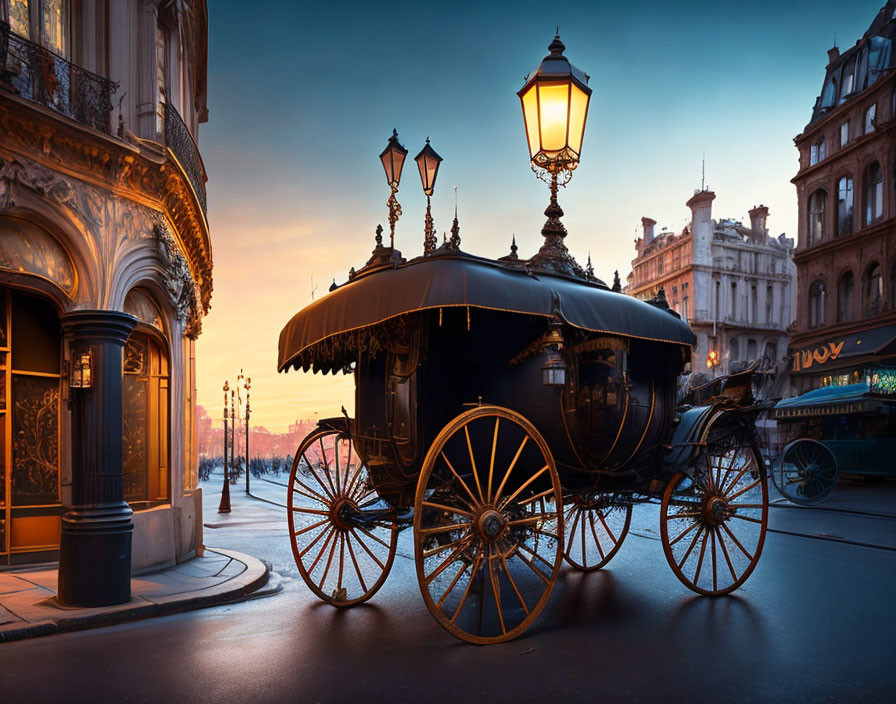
(488, 538)
(806, 473)
(594, 528)
(713, 525)
(343, 535)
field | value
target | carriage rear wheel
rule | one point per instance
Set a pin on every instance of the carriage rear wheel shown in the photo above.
(343, 535)
(488, 538)
(594, 528)
(713, 524)
(806, 473)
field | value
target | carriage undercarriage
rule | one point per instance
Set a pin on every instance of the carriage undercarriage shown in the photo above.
(493, 519)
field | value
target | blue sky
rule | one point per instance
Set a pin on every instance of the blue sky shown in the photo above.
(302, 98)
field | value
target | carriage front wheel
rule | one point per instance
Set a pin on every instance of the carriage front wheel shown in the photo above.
(594, 528)
(343, 535)
(488, 534)
(713, 524)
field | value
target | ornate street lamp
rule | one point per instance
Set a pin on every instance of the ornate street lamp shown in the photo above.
(224, 505)
(393, 160)
(428, 164)
(555, 106)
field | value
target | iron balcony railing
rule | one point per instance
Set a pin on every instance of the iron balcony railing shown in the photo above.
(37, 74)
(183, 146)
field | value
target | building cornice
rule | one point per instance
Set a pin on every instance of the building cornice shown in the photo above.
(144, 173)
(814, 335)
(833, 244)
(852, 146)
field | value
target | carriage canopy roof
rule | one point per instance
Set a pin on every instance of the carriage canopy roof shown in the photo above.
(463, 281)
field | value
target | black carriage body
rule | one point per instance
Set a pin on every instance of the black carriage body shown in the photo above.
(432, 337)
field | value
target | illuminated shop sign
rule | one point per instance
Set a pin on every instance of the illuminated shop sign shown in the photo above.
(822, 354)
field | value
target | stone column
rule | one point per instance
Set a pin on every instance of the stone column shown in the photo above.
(95, 546)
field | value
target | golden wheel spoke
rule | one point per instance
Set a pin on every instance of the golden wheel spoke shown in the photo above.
(744, 490)
(543, 494)
(712, 535)
(510, 467)
(491, 464)
(745, 518)
(341, 561)
(496, 591)
(444, 528)
(730, 486)
(534, 554)
(600, 515)
(684, 533)
(462, 482)
(746, 505)
(452, 558)
(311, 493)
(320, 585)
(311, 527)
(326, 467)
(336, 460)
(322, 550)
(676, 516)
(596, 539)
(737, 542)
(466, 593)
(373, 537)
(532, 519)
(534, 569)
(351, 553)
(513, 584)
(473, 464)
(584, 559)
(323, 484)
(687, 553)
(700, 561)
(313, 511)
(460, 573)
(727, 557)
(448, 509)
(446, 546)
(320, 535)
(524, 485)
(367, 550)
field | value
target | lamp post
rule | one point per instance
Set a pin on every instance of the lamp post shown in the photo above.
(232, 429)
(224, 506)
(428, 164)
(248, 386)
(393, 160)
(555, 102)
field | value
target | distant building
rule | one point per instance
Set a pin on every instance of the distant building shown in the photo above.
(105, 277)
(735, 285)
(846, 254)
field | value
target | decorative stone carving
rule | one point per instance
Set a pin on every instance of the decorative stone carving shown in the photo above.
(184, 293)
(35, 177)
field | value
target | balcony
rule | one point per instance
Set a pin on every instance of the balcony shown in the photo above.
(182, 145)
(37, 74)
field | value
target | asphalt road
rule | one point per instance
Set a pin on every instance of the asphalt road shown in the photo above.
(815, 622)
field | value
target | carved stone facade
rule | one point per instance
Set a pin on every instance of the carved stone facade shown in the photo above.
(94, 212)
(734, 284)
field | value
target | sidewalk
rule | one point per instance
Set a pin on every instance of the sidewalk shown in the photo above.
(28, 605)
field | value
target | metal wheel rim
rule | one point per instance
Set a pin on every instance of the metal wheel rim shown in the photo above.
(347, 558)
(421, 503)
(706, 535)
(811, 466)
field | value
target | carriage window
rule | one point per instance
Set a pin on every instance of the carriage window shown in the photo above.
(844, 297)
(874, 290)
(816, 304)
(817, 204)
(874, 193)
(844, 206)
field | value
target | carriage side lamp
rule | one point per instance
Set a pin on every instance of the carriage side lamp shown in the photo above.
(81, 369)
(428, 164)
(554, 369)
(393, 160)
(555, 102)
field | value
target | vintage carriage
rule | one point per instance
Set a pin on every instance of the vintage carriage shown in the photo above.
(849, 428)
(512, 411)
(512, 418)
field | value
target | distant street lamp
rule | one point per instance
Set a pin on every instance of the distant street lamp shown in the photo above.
(393, 160)
(555, 102)
(428, 164)
(224, 506)
(247, 387)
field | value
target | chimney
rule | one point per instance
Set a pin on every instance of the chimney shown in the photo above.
(758, 217)
(701, 226)
(647, 224)
(833, 54)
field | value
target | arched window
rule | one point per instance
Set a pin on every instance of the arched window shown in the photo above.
(751, 349)
(873, 294)
(817, 204)
(844, 205)
(817, 294)
(733, 352)
(874, 193)
(145, 406)
(844, 297)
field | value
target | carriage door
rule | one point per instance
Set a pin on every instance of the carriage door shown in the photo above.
(30, 506)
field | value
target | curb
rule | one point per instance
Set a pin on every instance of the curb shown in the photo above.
(256, 576)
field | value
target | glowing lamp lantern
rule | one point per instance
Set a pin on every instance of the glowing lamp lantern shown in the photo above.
(393, 157)
(554, 369)
(428, 164)
(555, 106)
(81, 369)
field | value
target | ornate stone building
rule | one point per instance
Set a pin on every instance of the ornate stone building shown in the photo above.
(105, 276)
(846, 255)
(735, 285)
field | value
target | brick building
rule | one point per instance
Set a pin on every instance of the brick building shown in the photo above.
(846, 253)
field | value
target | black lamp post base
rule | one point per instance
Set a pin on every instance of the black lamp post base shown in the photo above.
(95, 556)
